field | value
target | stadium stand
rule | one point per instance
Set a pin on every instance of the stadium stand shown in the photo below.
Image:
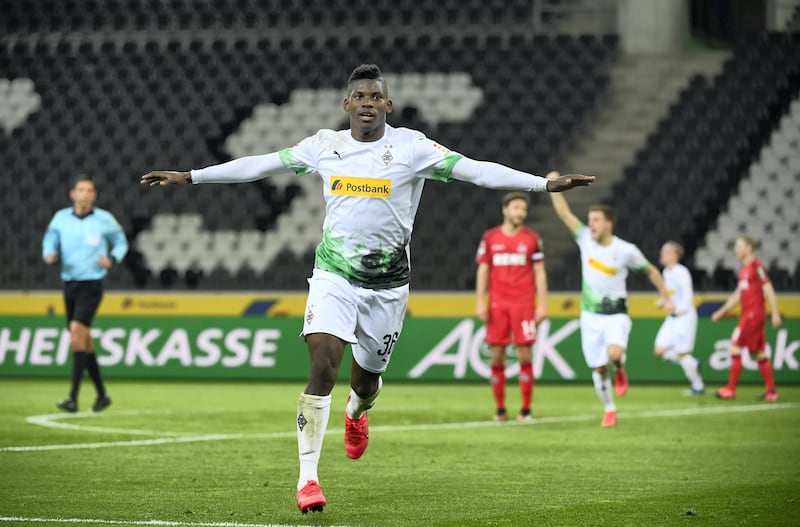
(695, 159)
(117, 88)
(126, 106)
(766, 207)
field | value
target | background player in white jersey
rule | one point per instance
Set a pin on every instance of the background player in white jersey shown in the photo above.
(605, 324)
(373, 176)
(675, 338)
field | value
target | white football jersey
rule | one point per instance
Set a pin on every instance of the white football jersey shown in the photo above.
(678, 282)
(372, 191)
(604, 270)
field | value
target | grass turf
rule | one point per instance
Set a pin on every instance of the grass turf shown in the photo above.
(225, 452)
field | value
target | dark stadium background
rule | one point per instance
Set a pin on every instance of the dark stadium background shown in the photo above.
(125, 87)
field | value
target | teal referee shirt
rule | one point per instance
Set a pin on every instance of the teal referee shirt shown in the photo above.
(81, 241)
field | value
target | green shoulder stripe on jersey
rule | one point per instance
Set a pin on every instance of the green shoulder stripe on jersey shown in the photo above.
(288, 161)
(443, 169)
(761, 274)
(578, 230)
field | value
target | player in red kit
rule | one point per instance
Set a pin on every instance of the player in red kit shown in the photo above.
(753, 288)
(511, 273)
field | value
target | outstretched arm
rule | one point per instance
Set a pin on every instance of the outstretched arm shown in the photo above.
(561, 207)
(242, 170)
(494, 175)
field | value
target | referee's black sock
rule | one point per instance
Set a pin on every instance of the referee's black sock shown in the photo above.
(94, 373)
(78, 365)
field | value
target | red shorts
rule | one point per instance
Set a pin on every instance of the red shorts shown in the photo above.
(751, 333)
(508, 319)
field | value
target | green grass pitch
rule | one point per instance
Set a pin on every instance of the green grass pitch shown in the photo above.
(224, 453)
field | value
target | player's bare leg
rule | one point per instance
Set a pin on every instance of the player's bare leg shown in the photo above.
(365, 386)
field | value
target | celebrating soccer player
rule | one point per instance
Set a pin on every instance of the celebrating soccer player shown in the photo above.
(373, 176)
(605, 324)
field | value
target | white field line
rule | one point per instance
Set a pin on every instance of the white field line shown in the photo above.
(157, 523)
(55, 421)
(676, 412)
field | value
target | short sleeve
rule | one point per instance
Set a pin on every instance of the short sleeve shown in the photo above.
(636, 260)
(538, 249)
(432, 160)
(482, 256)
(302, 157)
(763, 277)
(581, 235)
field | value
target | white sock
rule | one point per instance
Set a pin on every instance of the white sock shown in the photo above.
(689, 365)
(313, 412)
(603, 387)
(671, 356)
(356, 406)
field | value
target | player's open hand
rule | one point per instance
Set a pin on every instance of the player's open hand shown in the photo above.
(165, 177)
(558, 183)
(482, 312)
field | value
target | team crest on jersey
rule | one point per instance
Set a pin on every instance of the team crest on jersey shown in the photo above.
(362, 187)
(521, 248)
(387, 157)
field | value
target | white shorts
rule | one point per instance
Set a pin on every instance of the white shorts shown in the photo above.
(369, 319)
(678, 333)
(598, 332)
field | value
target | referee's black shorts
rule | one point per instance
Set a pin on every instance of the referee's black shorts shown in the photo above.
(81, 299)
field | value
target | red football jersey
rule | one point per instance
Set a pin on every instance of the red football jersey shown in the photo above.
(752, 278)
(510, 260)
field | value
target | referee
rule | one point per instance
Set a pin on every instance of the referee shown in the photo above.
(88, 241)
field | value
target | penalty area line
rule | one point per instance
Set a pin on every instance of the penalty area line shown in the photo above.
(156, 523)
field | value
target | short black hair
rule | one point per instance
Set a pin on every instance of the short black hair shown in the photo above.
(367, 71)
(80, 177)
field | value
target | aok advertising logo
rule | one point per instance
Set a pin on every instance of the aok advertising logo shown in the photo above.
(362, 187)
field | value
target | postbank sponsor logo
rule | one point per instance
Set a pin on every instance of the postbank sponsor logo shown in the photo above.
(362, 187)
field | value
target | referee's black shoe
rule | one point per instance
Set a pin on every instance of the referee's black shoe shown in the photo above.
(101, 403)
(68, 405)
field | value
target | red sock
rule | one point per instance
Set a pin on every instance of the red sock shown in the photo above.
(735, 372)
(765, 368)
(526, 384)
(498, 381)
